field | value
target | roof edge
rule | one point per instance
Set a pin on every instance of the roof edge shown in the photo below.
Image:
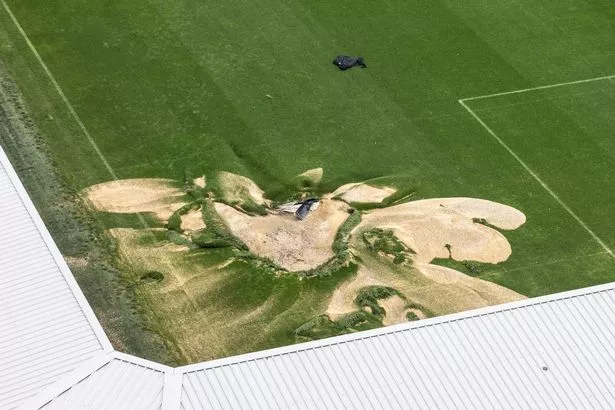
(55, 253)
(366, 334)
(138, 361)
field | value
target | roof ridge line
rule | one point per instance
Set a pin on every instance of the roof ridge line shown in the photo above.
(65, 383)
(172, 390)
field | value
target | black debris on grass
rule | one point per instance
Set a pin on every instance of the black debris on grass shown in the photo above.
(344, 62)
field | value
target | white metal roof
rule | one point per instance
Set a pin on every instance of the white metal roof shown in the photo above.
(116, 384)
(547, 353)
(46, 327)
(556, 351)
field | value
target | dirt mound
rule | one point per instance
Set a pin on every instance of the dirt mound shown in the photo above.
(363, 193)
(294, 245)
(237, 189)
(158, 196)
(428, 226)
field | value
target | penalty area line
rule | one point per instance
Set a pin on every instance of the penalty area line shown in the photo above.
(60, 92)
(542, 87)
(538, 179)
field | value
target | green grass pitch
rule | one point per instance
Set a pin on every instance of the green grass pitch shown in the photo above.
(167, 87)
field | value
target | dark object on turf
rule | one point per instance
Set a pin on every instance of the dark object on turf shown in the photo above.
(305, 207)
(346, 62)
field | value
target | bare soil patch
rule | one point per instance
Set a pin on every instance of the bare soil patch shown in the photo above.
(128, 244)
(427, 226)
(496, 214)
(154, 195)
(363, 193)
(293, 244)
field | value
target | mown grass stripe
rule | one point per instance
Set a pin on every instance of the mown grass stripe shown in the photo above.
(60, 92)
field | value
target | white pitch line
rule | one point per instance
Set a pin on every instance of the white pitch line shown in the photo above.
(68, 104)
(60, 92)
(537, 178)
(543, 87)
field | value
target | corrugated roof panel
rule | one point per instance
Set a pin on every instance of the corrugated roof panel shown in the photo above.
(254, 372)
(116, 385)
(552, 353)
(44, 331)
(300, 381)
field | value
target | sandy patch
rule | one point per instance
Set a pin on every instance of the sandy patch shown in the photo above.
(395, 308)
(237, 188)
(225, 263)
(499, 215)
(199, 182)
(314, 175)
(342, 301)
(427, 226)
(158, 196)
(193, 221)
(359, 192)
(293, 244)
(439, 290)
